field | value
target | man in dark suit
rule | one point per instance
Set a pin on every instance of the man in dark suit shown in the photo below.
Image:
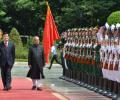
(7, 58)
(36, 62)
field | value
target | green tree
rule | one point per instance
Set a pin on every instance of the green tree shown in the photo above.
(28, 16)
(114, 18)
(15, 37)
(21, 52)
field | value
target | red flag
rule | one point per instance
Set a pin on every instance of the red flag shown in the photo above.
(50, 33)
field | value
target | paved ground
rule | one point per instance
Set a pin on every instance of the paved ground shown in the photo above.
(21, 90)
(59, 86)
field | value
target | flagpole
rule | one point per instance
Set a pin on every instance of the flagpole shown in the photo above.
(47, 3)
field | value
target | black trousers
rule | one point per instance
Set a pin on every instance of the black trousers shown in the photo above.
(6, 75)
(63, 63)
(55, 57)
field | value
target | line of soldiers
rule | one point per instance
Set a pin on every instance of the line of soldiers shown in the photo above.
(92, 56)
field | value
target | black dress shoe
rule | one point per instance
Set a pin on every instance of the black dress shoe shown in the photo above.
(39, 89)
(49, 68)
(9, 88)
(43, 77)
(5, 89)
(34, 87)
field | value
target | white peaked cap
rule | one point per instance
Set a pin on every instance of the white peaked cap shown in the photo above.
(117, 25)
(112, 27)
(116, 40)
(101, 39)
(106, 25)
(106, 37)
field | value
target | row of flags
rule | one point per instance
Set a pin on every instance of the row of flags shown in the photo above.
(50, 34)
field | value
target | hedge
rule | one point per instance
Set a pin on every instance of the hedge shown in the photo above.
(114, 18)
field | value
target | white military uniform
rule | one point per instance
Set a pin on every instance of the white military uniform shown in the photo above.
(102, 58)
(105, 71)
(65, 52)
(110, 72)
(118, 72)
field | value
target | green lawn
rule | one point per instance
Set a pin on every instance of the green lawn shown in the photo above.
(21, 60)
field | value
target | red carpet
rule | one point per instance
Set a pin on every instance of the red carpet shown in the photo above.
(21, 90)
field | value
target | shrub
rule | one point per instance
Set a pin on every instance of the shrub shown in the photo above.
(29, 41)
(114, 18)
(15, 37)
(21, 53)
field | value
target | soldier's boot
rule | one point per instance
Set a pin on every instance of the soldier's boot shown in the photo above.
(110, 86)
(118, 89)
(100, 85)
(73, 74)
(82, 78)
(115, 91)
(77, 75)
(96, 80)
(118, 94)
(86, 80)
(69, 73)
(105, 85)
(91, 79)
(115, 86)
(66, 73)
(89, 76)
(92, 82)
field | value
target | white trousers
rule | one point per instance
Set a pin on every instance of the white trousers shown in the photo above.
(37, 82)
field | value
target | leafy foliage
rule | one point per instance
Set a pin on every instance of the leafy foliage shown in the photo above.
(114, 18)
(28, 16)
(15, 37)
(21, 52)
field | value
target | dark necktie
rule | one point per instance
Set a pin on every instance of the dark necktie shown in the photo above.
(6, 44)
